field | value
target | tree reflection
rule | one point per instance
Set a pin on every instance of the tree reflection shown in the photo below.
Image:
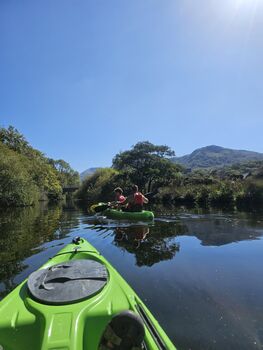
(22, 233)
(212, 227)
(147, 247)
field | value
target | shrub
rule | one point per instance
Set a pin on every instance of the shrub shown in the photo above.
(16, 184)
(223, 194)
(98, 186)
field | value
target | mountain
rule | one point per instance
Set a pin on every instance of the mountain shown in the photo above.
(87, 172)
(216, 156)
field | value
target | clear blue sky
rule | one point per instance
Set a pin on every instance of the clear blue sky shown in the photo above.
(83, 80)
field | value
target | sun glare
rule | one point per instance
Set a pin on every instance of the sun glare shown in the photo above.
(239, 4)
(242, 9)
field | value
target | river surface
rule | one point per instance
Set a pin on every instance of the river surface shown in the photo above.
(199, 271)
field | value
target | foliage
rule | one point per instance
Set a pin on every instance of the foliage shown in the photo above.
(16, 186)
(222, 194)
(150, 166)
(253, 192)
(13, 139)
(98, 186)
(241, 170)
(219, 193)
(147, 165)
(67, 176)
(26, 174)
(46, 179)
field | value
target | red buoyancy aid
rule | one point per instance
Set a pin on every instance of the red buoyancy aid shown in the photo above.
(138, 198)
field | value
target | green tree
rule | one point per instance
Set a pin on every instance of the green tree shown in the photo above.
(13, 139)
(27, 174)
(67, 176)
(17, 187)
(147, 164)
(98, 186)
(46, 178)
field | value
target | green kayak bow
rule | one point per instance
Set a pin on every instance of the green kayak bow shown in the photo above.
(77, 301)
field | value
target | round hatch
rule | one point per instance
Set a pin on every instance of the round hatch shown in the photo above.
(68, 282)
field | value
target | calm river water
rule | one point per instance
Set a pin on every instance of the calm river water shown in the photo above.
(199, 271)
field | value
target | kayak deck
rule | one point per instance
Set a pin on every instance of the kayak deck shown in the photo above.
(26, 323)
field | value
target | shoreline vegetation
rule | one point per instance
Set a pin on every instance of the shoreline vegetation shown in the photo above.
(150, 167)
(28, 176)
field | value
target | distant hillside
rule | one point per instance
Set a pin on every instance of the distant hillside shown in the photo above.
(87, 172)
(216, 156)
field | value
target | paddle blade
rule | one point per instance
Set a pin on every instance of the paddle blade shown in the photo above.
(97, 208)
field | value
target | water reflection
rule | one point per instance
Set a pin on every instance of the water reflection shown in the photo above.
(199, 271)
(144, 244)
(136, 236)
(214, 229)
(153, 243)
(23, 231)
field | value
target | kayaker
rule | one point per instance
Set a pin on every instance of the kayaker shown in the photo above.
(119, 198)
(135, 201)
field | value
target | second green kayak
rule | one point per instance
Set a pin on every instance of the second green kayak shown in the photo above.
(115, 214)
(78, 301)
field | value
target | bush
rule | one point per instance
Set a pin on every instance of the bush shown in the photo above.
(189, 197)
(16, 185)
(202, 196)
(254, 191)
(223, 194)
(99, 186)
(23, 179)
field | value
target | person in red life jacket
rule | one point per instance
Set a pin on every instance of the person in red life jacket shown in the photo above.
(135, 201)
(119, 198)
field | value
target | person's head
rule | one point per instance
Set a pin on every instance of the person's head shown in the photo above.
(118, 191)
(135, 188)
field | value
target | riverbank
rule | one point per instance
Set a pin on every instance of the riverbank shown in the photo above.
(152, 169)
(188, 189)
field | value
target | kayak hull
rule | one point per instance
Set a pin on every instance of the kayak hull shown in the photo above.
(115, 214)
(26, 323)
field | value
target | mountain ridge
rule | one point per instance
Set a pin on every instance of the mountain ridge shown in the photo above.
(87, 172)
(214, 156)
(211, 156)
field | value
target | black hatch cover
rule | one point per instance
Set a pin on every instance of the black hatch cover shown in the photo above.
(68, 282)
